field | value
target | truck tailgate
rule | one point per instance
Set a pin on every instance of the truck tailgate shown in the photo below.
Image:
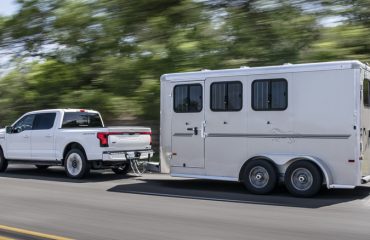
(129, 138)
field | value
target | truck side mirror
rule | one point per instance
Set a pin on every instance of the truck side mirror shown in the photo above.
(9, 129)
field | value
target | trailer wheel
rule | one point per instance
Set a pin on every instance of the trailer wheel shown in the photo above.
(76, 165)
(123, 169)
(42, 167)
(3, 162)
(303, 179)
(260, 177)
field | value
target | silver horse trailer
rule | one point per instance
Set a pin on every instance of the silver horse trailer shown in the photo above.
(305, 125)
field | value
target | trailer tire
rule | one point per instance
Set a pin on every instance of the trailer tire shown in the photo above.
(3, 162)
(303, 179)
(260, 177)
(42, 167)
(122, 170)
(76, 165)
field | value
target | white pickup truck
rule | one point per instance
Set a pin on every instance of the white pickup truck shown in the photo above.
(75, 139)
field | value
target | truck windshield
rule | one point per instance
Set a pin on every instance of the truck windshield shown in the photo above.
(81, 120)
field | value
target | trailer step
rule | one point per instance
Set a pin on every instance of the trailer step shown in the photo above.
(365, 179)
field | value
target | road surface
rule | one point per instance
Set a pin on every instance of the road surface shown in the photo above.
(155, 206)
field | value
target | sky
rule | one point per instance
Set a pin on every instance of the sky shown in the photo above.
(8, 7)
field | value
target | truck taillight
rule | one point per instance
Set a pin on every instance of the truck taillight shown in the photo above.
(103, 138)
(147, 133)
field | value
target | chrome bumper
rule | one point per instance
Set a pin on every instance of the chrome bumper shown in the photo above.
(111, 156)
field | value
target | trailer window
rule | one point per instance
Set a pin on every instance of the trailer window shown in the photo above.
(366, 93)
(270, 95)
(226, 96)
(188, 98)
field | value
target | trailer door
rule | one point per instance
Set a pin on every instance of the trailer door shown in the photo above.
(187, 122)
(365, 127)
(226, 122)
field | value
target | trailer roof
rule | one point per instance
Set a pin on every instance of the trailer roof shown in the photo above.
(286, 68)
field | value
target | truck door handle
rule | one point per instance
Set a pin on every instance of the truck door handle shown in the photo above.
(26, 136)
(48, 136)
(195, 129)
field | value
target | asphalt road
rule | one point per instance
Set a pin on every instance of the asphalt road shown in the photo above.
(157, 206)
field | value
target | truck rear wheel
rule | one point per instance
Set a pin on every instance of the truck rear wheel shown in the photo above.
(76, 165)
(260, 177)
(303, 179)
(3, 162)
(122, 170)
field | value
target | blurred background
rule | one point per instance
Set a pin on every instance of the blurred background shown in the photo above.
(108, 55)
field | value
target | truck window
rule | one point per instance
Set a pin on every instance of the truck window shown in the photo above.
(81, 120)
(226, 96)
(270, 95)
(44, 121)
(188, 98)
(24, 124)
(366, 87)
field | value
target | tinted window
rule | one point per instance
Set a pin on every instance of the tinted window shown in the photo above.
(24, 124)
(44, 121)
(188, 98)
(366, 93)
(226, 96)
(270, 94)
(81, 120)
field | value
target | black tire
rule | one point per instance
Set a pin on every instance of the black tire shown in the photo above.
(303, 179)
(76, 165)
(260, 177)
(42, 167)
(3, 162)
(122, 170)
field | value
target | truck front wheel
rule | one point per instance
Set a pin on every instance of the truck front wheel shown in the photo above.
(76, 165)
(3, 162)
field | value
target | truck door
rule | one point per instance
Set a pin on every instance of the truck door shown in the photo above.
(187, 122)
(42, 138)
(18, 143)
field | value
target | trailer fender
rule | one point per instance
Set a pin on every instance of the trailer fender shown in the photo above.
(282, 162)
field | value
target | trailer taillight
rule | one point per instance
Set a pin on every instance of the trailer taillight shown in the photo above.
(103, 138)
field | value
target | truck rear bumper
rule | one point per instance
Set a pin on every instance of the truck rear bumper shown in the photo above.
(119, 156)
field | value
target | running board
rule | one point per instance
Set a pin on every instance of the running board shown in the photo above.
(340, 186)
(365, 179)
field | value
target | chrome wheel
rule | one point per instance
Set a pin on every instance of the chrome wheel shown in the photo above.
(301, 179)
(259, 177)
(74, 164)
